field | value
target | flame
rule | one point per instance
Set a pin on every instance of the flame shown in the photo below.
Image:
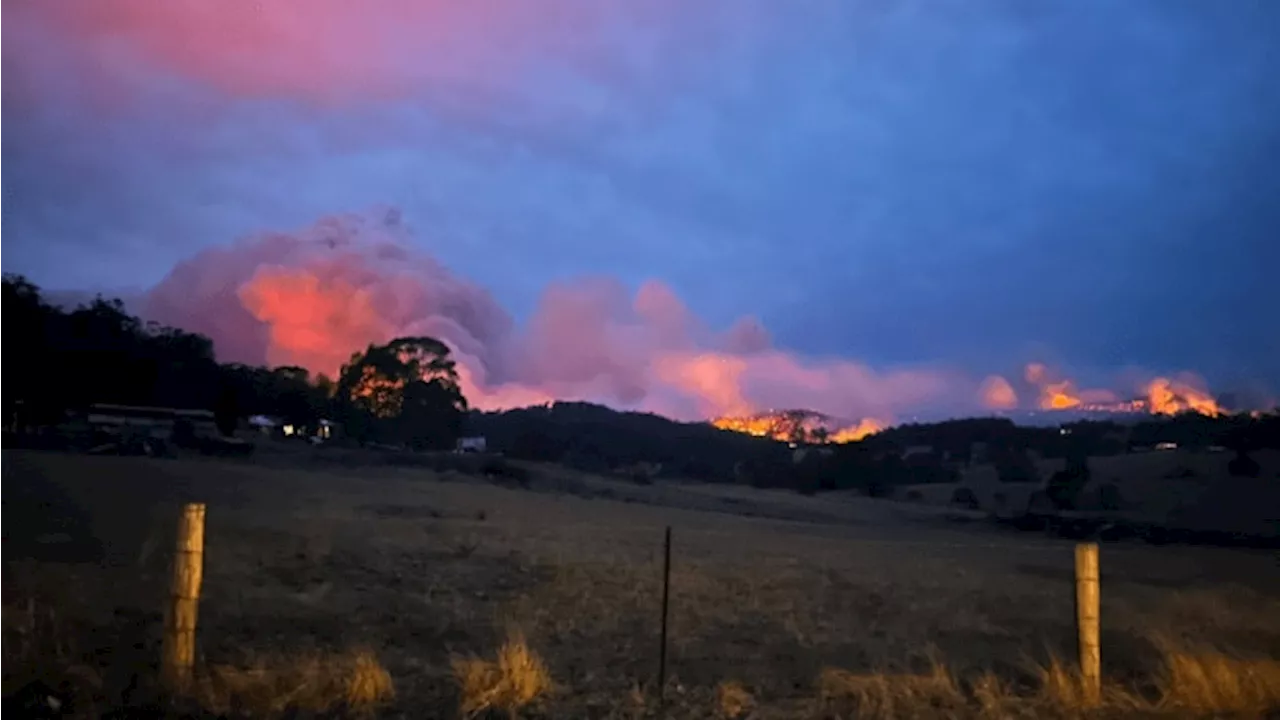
(1059, 396)
(798, 426)
(379, 394)
(854, 433)
(1160, 395)
(1168, 397)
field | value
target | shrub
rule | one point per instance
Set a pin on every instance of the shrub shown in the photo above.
(499, 468)
(511, 681)
(964, 497)
(1243, 466)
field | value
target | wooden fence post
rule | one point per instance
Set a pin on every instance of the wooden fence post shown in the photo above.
(178, 653)
(1088, 595)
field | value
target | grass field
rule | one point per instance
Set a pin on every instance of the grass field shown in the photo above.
(426, 594)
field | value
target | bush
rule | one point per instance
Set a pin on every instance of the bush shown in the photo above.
(1109, 497)
(499, 468)
(964, 497)
(1243, 466)
(879, 487)
(1017, 467)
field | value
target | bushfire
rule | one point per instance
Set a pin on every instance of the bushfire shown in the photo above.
(798, 426)
(1160, 396)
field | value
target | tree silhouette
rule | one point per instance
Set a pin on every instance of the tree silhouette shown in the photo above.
(405, 391)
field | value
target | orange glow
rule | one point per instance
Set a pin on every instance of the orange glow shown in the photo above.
(1168, 397)
(380, 395)
(1058, 396)
(759, 426)
(714, 378)
(854, 433)
(313, 296)
(797, 426)
(998, 394)
(1162, 396)
(1055, 393)
(312, 321)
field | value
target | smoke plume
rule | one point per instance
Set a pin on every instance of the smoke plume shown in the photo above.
(1052, 390)
(313, 297)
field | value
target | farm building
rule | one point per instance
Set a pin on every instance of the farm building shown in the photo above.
(156, 422)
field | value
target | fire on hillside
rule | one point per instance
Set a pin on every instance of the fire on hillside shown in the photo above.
(804, 426)
(1160, 396)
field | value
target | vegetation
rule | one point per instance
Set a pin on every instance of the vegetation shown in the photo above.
(405, 392)
(865, 614)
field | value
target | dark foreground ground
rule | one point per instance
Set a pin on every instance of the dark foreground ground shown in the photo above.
(852, 612)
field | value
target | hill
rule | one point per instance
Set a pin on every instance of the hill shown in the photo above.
(593, 437)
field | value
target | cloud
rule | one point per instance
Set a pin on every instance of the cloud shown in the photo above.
(905, 182)
(314, 296)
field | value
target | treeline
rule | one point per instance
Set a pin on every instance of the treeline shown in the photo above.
(405, 392)
(598, 439)
(595, 438)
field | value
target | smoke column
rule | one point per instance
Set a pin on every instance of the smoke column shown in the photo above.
(313, 297)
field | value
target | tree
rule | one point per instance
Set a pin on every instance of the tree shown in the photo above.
(31, 396)
(226, 412)
(1065, 486)
(405, 391)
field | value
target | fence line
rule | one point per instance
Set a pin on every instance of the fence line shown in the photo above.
(1056, 545)
(179, 646)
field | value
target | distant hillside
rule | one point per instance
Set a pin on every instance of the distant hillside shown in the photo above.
(597, 438)
(594, 437)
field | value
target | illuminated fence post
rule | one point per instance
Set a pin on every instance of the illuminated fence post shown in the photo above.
(1088, 592)
(178, 652)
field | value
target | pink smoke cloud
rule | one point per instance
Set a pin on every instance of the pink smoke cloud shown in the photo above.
(461, 53)
(313, 297)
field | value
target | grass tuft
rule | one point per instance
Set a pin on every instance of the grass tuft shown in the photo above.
(514, 679)
(352, 682)
(1212, 682)
(891, 695)
(733, 699)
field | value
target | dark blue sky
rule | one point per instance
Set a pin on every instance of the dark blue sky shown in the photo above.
(971, 182)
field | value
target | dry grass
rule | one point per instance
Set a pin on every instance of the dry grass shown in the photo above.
(511, 681)
(353, 683)
(733, 699)
(892, 695)
(1210, 682)
(1193, 684)
(39, 647)
(428, 572)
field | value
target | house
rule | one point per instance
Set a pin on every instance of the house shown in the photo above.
(265, 424)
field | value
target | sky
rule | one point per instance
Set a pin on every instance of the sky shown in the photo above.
(910, 191)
